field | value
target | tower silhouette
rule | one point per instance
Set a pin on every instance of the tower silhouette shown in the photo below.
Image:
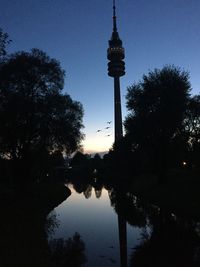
(116, 69)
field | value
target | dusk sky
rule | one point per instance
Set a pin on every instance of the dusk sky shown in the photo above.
(76, 32)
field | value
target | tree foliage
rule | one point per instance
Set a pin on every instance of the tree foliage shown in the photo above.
(156, 108)
(34, 114)
(192, 119)
(4, 41)
(191, 125)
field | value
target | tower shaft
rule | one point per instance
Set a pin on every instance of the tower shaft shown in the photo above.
(117, 109)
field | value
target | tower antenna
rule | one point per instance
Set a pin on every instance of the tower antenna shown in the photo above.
(114, 17)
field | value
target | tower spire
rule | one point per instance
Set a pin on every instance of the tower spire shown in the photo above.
(114, 17)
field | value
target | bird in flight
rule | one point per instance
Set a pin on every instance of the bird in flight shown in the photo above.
(98, 131)
(107, 127)
(108, 135)
(109, 122)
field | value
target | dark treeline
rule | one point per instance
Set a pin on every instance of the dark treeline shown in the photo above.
(38, 122)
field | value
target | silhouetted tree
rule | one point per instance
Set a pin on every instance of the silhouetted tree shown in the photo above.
(57, 158)
(156, 108)
(192, 129)
(97, 162)
(4, 41)
(79, 159)
(35, 116)
(81, 172)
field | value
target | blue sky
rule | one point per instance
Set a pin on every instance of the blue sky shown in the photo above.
(76, 32)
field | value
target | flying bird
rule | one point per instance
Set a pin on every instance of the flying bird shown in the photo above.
(108, 135)
(98, 131)
(109, 122)
(107, 127)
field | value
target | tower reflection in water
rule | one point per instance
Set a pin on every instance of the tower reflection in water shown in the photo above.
(122, 239)
(116, 69)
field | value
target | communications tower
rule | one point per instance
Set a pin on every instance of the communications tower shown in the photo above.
(116, 69)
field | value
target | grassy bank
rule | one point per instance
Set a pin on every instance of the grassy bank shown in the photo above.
(179, 193)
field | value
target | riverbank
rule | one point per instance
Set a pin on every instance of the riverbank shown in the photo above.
(47, 190)
(179, 193)
(33, 200)
(26, 222)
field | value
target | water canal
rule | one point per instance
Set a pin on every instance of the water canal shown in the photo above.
(95, 226)
(91, 215)
(118, 230)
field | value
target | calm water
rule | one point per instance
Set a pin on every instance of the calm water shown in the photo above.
(95, 227)
(119, 230)
(92, 216)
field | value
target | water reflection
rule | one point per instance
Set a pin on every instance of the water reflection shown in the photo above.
(96, 226)
(172, 243)
(95, 220)
(67, 252)
(165, 240)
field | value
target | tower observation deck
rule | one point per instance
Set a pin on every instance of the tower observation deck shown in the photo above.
(116, 69)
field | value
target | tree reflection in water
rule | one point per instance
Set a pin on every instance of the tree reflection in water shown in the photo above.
(129, 207)
(69, 252)
(88, 192)
(51, 223)
(166, 241)
(98, 192)
(171, 242)
(84, 184)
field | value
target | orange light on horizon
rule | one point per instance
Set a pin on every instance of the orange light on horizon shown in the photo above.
(97, 144)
